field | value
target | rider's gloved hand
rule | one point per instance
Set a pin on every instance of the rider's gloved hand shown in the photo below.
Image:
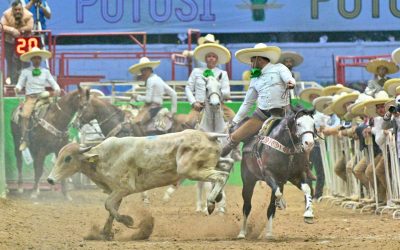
(198, 106)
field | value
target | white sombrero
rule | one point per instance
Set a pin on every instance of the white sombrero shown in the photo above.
(296, 57)
(224, 56)
(271, 52)
(370, 106)
(391, 86)
(396, 55)
(359, 101)
(306, 93)
(209, 38)
(373, 65)
(44, 54)
(335, 89)
(338, 105)
(144, 62)
(322, 102)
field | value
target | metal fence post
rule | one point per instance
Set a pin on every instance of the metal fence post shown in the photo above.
(2, 142)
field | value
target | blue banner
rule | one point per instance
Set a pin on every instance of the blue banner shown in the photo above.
(221, 16)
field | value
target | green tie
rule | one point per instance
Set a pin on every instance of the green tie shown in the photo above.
(207, 73)
(36, 72)
(255, 72)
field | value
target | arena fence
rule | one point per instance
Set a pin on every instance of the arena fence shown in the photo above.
(2, 143)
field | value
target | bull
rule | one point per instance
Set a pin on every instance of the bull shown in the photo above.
(123, 166)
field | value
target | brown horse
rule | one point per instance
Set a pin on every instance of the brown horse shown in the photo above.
(47, 134)
(113, 121)
(277, 158)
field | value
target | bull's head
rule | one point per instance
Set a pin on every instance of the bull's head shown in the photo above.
(71, 159)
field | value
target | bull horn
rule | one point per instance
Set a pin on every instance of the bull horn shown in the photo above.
(215, 136)
(84, 149)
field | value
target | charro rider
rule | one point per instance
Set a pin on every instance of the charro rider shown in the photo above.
(34, 79)
(155, 90)
(380, 68)
(212, 54)
(268, 86)
(292, 59)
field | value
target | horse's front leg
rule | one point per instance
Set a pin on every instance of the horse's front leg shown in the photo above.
(309, 213)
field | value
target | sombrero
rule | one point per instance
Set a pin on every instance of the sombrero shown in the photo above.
(396, 55)
(246, 76)
(44, 54)
(306, 93)
(321, 103)
(391, 86)
(296, 57)
(335, 89)
(271, 52)
(398, 90)
(224, 56)
(373, 65)
(370, 106)
(144, 62)
(209, 38)
(338, 105)
(357, 108)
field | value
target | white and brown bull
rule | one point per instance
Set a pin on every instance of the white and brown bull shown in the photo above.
(123, 166)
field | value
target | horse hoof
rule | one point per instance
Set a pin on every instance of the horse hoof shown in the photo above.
(109, 236)
(126, 220)
(269, 236)
(20, 190)
(309, 220)
(241, 236)
(210, 207)
(219, 197)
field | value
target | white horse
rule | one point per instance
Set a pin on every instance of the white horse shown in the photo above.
(212, 121)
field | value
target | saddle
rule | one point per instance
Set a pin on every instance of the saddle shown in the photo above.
(41, 107)
(265, 130)
(160, 123)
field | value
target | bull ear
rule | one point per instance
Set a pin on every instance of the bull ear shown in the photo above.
(92, 158)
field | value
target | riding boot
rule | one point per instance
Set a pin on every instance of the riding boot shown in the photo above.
(228, 147)
(24, 132)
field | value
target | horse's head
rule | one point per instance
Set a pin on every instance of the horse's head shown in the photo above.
(301, 125)
(86, 111)
(213, 90)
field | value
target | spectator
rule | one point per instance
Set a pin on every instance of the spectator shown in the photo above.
(44, 12)
(15, 21)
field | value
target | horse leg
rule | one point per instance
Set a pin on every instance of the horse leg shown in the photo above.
(222, 203)
(38, 166)
(18, 156)
(199, 196)
(249, 181)
(270, 215)
(309, 213)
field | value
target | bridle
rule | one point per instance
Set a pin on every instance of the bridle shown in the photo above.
(298, 136)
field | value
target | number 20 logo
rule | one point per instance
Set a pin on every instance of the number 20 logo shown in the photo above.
(24, 45)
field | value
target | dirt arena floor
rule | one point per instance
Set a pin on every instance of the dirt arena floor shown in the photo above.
(52, 223)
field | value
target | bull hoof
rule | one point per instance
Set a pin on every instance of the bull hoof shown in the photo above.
(309, 220)
(269, 236)
(219, 197)
(210, 207)
(126, 220)
(108, 236)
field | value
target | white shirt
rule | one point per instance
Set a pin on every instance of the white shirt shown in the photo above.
(378, 132)
(321, 120)
(155, 90)
(196, 88)
(268, 90)
(36, 84)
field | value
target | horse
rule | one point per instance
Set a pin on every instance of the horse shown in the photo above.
(47, 134)
(277, 158)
